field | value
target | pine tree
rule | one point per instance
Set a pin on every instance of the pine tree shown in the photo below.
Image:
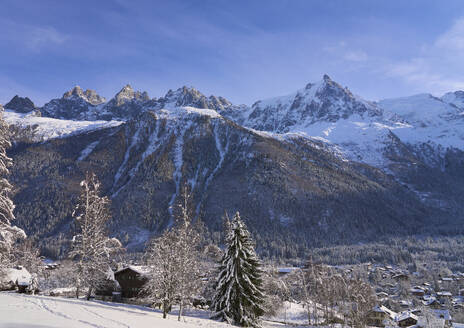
(239, 296)
(91, 246)
(8, 234)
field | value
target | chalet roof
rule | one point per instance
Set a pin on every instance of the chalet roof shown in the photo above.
(430, 301)
(417, 290)
(444, 293)
(383, 309)
(400, 275)
(17, 275)
(406, 315)
(405, 303)
(142, 270)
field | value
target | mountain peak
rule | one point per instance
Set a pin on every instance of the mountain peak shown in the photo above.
(127, 94)
(76, 91)
(325, 101)
(189, 96)
(455, 98)
(326, 78)
(88, 95)
(20, 104)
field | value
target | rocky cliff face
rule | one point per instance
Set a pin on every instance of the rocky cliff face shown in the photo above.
(75, 104)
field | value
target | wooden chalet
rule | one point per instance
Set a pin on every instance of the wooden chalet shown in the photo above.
(417, 291)
(407, 319)
(131, 279)
(379, 316)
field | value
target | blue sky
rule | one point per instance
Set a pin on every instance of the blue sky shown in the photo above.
(243, 50)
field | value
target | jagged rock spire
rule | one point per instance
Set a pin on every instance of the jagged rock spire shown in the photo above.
(189, 96)
(88, 95)
(20, 104)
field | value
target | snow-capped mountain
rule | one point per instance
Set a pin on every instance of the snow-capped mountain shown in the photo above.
(188, 96)
(428, 120)
(75, 104)
(357, 129)
(320, 162)
(455, 98)
(286, 190)
(325, 101)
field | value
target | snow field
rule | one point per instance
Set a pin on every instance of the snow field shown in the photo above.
(19, 310)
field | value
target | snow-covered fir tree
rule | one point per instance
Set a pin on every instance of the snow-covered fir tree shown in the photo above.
(239, 293)
(174, 260)
(91, 246)
(9, 234)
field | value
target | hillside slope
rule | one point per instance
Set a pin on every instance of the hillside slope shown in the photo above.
(292, 193)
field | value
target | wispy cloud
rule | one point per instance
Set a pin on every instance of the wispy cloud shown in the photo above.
(31, 37)
(453, 39)
(356, 56)
(38, 36)
(438, 66)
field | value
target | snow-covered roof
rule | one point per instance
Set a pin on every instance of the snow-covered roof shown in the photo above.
(142, 270)
(406, 315)
(405, 303)
(286, 270)
(383, 309)
(16, 275)
(416, 290)
(444, 293)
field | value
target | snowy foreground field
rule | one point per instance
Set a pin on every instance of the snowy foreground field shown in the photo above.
(19, 310)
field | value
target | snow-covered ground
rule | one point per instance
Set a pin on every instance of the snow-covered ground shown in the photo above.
(19, 310)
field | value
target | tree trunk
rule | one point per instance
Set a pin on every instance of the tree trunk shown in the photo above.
(77, 291)
(180, 310)
(89, 293)
(165, 309)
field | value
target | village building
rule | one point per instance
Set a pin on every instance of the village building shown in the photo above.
(401, 277)
(379, 316)
(444, 296)
(417, 291)
(445, 315)
(131, 279)
(432, 303)
(407, 319)
(109, 288)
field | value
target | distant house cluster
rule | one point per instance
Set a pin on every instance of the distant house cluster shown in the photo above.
(418, 303)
